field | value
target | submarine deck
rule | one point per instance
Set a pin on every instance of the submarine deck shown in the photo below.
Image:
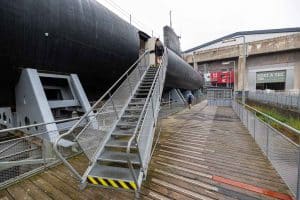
(203, 153)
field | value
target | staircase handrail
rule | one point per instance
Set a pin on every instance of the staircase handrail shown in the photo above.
(87, 115)
(134, 136)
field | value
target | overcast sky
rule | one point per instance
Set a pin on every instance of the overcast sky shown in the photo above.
(200, 21)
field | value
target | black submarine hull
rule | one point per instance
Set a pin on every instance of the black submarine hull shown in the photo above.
(180, 74)
(72, 36)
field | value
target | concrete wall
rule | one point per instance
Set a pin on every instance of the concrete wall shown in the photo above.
(264, 55)
(284, 43)
(289, 61)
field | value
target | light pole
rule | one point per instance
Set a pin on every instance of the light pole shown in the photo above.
(234, 71)
(244, 59)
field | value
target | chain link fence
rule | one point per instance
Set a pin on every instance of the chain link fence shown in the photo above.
(282, 152)
(289, 100)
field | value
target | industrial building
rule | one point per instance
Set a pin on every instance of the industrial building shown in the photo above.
(261, 59)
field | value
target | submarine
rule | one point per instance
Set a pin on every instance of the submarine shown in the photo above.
(81, 37)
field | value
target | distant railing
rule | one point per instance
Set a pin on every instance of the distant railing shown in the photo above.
(219, 96)
(283, 153)
(172, 106)
(289, 100)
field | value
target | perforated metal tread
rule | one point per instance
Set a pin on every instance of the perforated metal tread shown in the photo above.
(127, 132)
(136, 103)
(119, 143)
(130, 116)
(133, 109)
(129, 124)
(119, 157)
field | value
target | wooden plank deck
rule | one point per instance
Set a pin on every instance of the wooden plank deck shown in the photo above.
(198, 150)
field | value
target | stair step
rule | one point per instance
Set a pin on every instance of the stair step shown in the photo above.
(127, 132)
(137, 103)
(119, 157)
(130, 116)
(141, 93)
(146, 83)
(112, 176)
(138, 106)
(126, 125)
(119, 144)
(145, 87)
(140, 89)
(133, 109)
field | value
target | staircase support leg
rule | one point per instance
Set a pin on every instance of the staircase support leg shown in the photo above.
(137, 194)
(82, 186)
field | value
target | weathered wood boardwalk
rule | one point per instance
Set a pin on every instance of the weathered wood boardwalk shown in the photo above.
(203, 153)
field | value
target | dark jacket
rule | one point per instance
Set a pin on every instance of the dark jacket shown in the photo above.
(159, 48)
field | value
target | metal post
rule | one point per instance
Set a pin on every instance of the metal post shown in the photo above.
(254, 125)
(247, 119)
(298, 177)
(152, 106)
(170, 100)
(298, 101)
(267, 144)
(170, 18)
(113, 106)
(244, 57)
(131, 90)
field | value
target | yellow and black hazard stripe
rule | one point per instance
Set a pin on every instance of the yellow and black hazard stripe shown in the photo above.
(127, 185)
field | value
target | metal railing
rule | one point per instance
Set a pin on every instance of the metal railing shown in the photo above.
(281, 99)
(144, 131)
(282, 152)
(104, 115)
(23, 154)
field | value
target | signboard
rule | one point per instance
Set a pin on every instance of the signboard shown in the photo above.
(207, 77)
(271, 76)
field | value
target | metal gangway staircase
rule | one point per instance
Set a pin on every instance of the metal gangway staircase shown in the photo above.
(116, 134)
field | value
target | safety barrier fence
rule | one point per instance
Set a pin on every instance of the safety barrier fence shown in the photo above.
(23, 154)
(289, 100)
(281, 151)
(219, 97)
